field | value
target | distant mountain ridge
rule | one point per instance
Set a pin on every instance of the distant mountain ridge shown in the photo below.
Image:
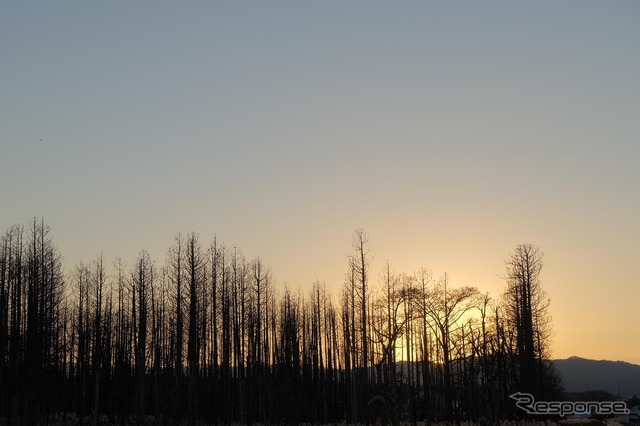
(616, 377)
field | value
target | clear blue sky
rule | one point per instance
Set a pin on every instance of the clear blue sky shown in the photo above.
(450, 131)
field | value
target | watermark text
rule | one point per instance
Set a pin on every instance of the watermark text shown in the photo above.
(527, 403)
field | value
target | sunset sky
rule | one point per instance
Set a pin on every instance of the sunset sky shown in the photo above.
(450, 131)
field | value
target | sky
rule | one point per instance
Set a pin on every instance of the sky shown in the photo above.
(450, 131)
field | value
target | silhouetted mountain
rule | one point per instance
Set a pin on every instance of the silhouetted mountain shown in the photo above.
(616, 377)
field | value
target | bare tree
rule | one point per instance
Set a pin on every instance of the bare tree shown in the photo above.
(527, 306)
(176, 268)
(195, 270)
(360, 265)
(142, 280)
(98, 277)
(446, 307)
(388, 327)
(13, 277)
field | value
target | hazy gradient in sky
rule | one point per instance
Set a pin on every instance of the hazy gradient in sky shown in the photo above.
(450, 131)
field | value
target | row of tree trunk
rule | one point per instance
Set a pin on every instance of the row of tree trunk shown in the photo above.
(207, 336)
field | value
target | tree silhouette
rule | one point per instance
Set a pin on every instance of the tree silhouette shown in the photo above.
(209, 337)
(527, 308)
